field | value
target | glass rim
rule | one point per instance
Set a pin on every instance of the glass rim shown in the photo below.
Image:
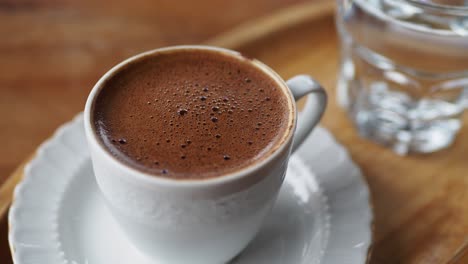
(452, 9)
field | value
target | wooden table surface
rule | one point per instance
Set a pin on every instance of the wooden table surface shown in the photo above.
(54, 51)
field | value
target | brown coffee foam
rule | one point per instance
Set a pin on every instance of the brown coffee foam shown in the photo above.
(191, 114)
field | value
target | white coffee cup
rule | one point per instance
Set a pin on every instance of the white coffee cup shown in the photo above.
(206, 221)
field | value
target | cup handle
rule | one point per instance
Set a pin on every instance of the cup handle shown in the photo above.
(300, 86)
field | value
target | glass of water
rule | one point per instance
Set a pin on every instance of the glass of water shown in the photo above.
(404, 70)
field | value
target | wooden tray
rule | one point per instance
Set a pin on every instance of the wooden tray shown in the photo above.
(420, 202)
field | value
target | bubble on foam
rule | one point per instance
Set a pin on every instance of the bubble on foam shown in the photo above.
(214, 119)
(182, 111)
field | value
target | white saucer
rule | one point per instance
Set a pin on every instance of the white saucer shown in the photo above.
(322, 214)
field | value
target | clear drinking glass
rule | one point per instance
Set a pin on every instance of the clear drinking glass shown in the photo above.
(404, 70)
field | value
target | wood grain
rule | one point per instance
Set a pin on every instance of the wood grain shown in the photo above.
(420, 201)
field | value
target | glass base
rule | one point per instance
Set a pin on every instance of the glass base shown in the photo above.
(381, 117)
(431, 138)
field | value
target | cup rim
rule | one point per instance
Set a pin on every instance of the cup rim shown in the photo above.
(160, 180)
